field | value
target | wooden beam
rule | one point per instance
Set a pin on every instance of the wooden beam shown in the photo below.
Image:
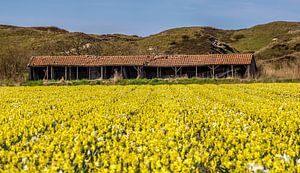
(160, 72)
(122, 71)
(66, 73)
(47, 71)
(89, 69)
(232, 71)
(51, 72)
(125, 73)
(176, 70)
(213, 69)
(33, 73)
(102, 72)
(30, 73)
(139, 72)
(70, 73)
(77, 73)
(253, 69)
(105, 73)
(248, 69)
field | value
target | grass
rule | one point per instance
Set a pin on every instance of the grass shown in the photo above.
(7, 82)
(257, 37)
(32, 83)
(155, 81)
(176, 81)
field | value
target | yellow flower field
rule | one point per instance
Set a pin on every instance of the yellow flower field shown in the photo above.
(163, 128)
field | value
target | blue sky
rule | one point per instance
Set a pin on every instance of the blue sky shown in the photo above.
(145, 17)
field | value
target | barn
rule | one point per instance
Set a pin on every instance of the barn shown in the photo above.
(130, 67)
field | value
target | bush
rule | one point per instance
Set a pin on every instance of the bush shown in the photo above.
(238, 36)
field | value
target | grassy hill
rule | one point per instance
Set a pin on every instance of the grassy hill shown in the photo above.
(276, 45)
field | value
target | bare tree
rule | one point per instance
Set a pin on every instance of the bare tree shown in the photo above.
(13, 63)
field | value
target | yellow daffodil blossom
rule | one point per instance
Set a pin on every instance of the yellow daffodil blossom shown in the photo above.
(161, 128)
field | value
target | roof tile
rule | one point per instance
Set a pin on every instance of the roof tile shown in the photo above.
(144, 60)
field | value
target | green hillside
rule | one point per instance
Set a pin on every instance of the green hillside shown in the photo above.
(276, 44)
(260, 36)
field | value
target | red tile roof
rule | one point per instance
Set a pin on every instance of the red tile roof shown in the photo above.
(88, 60)
(152, 61)
(194, 60)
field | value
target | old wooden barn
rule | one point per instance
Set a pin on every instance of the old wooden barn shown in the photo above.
(130, 67)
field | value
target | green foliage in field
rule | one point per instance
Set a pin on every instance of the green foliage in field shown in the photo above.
(179, 81)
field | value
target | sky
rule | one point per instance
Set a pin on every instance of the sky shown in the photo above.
(145, 17)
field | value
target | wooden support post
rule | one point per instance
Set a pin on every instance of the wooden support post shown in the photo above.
(77, 73)
(248, 69)
(157, 72)
(66, 73)
(160, 72)
(105, 72)
(51, 72)
(102, 72)
(228, 70)
(139, 72)
(47, 73)
(213, 68)
(232, 71)
(196, 71)
(122, 71)
(70, 73)
(176, 70)
(89, 69)
(29, 73)
(33, 73)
